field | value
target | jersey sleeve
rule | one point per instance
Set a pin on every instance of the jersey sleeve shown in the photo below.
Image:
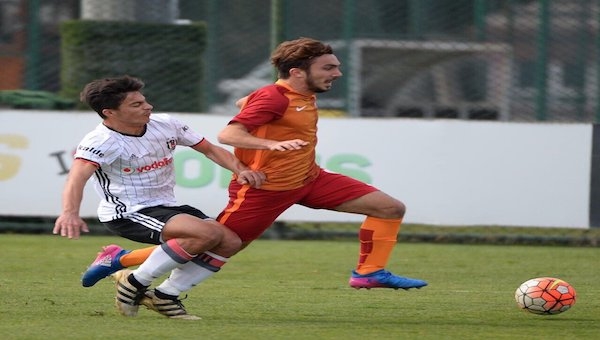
(263, 106)
(185, 135)
(97, 148)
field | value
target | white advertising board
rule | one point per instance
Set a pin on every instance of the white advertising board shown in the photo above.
(447, 172)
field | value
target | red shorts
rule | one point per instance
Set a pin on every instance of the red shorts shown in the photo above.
(251, 211)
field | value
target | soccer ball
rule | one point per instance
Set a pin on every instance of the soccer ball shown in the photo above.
(545, 295)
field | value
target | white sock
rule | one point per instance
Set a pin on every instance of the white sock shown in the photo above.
(184, 278)
(157, 264)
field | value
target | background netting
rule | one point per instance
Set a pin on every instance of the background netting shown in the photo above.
(513, 60)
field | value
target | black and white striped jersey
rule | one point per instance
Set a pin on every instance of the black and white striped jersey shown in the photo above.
(135, 172)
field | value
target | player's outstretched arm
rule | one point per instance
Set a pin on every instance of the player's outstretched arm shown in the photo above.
(228, 160)
(235, 134)
(69, 223)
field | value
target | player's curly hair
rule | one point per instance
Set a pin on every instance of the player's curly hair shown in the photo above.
(109, 93)
(297, 53)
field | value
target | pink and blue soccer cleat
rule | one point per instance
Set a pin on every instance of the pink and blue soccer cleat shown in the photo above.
(384, 279)
(106, 263)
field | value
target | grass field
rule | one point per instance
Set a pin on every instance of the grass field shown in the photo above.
(298, 290)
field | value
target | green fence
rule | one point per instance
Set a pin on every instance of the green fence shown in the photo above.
(512, 60)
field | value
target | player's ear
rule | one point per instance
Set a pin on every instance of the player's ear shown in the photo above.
(241, 102)
(107, 112)
(297, 72)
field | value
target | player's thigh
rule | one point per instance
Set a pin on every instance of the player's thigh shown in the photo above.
(330, 190)
(250, 212)
(188, 226)
(345, 194)
(376, 204)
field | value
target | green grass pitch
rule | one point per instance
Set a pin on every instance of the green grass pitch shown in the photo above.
(298, 290)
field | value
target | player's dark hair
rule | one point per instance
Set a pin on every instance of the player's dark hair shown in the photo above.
(109, 93)
(297, 53)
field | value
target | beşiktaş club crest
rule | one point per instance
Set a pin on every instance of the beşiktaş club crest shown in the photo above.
(171, 144)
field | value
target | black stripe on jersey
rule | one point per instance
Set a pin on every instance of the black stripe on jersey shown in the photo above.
(104, 182)
(147, 221)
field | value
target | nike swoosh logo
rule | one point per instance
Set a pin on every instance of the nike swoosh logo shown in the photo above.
(300, 108)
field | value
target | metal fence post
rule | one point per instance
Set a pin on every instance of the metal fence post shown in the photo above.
(210, 71)
(480, 11)
(541, 73)
(33, 46)
(276, 26)
(597, 118)
(416, 8)
(352, 103)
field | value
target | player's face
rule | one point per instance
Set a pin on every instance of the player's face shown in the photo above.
(131, 116)
(323, 71)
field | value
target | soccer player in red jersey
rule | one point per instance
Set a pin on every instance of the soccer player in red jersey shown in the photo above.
(275, 132)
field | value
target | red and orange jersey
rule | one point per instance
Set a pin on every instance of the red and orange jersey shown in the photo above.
(279, 113)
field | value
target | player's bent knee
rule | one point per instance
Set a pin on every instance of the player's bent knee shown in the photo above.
(400, 209)
(393, 210)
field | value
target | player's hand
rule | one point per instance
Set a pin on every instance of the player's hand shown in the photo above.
(70, 225)
(294, 144)
(252, 178)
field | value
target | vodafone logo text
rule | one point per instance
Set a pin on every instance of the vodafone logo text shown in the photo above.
(155, 165)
